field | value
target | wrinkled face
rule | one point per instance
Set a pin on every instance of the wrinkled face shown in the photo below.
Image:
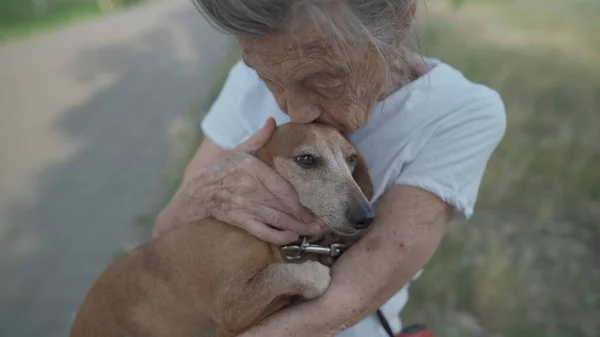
(319, 163)
(314, 78)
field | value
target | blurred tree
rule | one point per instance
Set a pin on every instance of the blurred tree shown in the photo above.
(458, 3)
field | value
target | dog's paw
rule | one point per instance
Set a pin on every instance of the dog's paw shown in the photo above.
(316, 279)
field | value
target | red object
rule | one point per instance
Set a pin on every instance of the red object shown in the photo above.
(416, 331)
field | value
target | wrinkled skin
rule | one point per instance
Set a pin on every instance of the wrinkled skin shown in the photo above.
(240, 189)
(318, 77)
(410, 221)
(313, 78)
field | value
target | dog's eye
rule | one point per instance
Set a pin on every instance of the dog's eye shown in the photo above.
(306, 160)
(352, 159)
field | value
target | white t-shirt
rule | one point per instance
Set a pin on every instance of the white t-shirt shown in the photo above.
(436, 133)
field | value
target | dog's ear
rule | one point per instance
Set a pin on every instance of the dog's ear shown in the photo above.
(267, 152)
(362, 177)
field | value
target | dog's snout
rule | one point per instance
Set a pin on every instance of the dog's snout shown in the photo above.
(361, 216)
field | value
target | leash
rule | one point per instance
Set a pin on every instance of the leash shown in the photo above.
(384, 323)
(298, 251)
(415, 330)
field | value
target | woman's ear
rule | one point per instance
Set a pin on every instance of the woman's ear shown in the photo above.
(362, 177)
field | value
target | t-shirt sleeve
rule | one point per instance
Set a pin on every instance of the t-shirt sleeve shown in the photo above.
(452, 163)
(224, 123)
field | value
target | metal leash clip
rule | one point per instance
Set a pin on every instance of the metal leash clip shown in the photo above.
(298, 251)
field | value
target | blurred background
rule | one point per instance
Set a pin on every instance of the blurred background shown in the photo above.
(100, 102)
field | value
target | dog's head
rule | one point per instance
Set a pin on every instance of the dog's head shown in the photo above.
(330, 176)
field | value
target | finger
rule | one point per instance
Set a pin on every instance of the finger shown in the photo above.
(279, 188)
(268, 234)
(260, 138)
(283, 221)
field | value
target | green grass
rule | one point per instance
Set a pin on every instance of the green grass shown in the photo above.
(18, 20)
(191, 136)
(24, 28)
(526, 264)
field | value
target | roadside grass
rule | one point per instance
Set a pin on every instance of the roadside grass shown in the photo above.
(186, 140)
(17, 30)
(190, 137)
(21, 20)
(527, 263)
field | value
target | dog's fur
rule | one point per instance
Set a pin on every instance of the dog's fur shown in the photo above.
(214, 279)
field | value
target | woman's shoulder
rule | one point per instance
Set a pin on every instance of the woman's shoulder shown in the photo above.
(466, 103)
(450, 86)
(444, 97)
(229, 121)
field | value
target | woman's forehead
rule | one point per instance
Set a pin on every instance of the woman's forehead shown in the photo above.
(305, 45)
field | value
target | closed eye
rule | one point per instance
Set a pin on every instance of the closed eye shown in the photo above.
(323, 82)
(330, 84)
(330, 92)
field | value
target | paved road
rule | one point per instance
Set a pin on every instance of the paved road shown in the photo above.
(85, 120)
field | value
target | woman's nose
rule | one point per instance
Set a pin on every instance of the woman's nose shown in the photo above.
(296, 106)
(302, 112)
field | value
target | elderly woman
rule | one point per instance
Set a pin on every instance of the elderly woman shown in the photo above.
(425, 131)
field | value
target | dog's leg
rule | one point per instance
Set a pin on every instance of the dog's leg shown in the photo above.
(271, 290)
(309, 279)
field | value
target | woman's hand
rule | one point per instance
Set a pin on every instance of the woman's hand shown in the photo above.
(239, 189)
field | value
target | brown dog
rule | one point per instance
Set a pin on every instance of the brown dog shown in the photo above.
(213, 279)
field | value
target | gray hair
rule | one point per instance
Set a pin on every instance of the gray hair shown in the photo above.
(378, 22)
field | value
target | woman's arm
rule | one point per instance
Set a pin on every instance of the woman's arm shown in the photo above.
(409, 226)
(410, 222)
(207, 151)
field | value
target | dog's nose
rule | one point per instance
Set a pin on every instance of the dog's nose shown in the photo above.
(361, 216)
